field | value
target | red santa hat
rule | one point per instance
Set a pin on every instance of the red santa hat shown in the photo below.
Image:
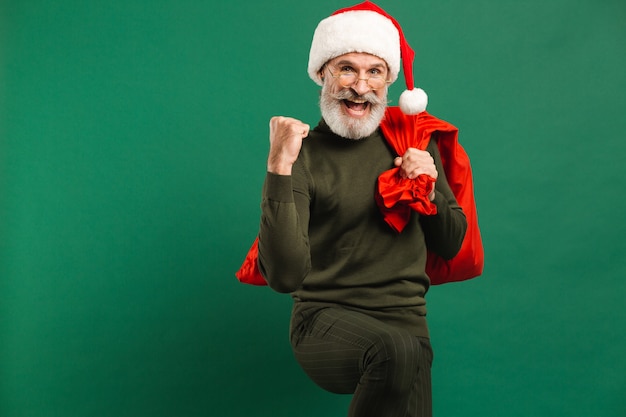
(369, 29)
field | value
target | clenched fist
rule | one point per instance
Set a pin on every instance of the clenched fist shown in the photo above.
(416, 162)
(286, 135)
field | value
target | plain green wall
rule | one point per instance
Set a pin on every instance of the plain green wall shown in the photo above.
(133, 144)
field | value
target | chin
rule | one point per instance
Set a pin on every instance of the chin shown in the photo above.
(348, 126)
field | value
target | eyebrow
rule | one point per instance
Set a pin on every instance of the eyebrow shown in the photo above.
(352, 64)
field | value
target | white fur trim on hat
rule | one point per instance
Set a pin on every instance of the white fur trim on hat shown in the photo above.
(354, 31)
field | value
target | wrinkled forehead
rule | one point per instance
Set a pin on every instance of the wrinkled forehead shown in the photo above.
(359, 59)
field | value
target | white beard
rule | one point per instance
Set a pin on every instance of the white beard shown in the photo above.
(342, 124)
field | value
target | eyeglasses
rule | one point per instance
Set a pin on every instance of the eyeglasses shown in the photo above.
(348, 78)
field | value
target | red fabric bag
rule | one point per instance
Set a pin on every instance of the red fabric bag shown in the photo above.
(249, 272)
(404, 131)
(396, 197)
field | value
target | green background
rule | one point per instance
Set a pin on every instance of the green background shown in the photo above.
(133, 144)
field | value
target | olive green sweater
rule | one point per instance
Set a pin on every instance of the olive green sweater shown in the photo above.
(323, 239)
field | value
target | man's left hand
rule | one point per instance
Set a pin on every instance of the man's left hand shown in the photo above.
(416, 162)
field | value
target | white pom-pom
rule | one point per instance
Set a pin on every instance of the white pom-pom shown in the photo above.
(413, 101)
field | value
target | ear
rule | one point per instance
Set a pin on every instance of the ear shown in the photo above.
(322, 73)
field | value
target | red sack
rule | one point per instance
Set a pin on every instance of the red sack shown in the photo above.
(404, 131)
(249, 272)
(396, 197)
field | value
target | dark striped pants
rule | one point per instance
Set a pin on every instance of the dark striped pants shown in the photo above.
(386, 368)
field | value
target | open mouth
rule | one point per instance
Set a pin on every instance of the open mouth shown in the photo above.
(356, 107)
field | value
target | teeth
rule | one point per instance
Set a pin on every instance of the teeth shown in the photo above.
(358, 101)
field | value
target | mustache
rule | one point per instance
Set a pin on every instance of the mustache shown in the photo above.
(349, 94)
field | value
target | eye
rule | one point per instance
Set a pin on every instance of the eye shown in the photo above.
(375, 72)
(346, 68)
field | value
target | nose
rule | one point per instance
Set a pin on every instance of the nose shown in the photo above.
(361, 86)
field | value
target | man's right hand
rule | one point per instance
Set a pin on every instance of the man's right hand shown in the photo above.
(286, 135)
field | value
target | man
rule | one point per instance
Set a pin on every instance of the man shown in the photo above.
(359, 317)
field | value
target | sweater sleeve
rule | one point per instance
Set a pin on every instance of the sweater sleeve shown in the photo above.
(284, 255)
(444, 231)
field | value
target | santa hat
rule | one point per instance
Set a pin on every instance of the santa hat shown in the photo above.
(369, 29)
